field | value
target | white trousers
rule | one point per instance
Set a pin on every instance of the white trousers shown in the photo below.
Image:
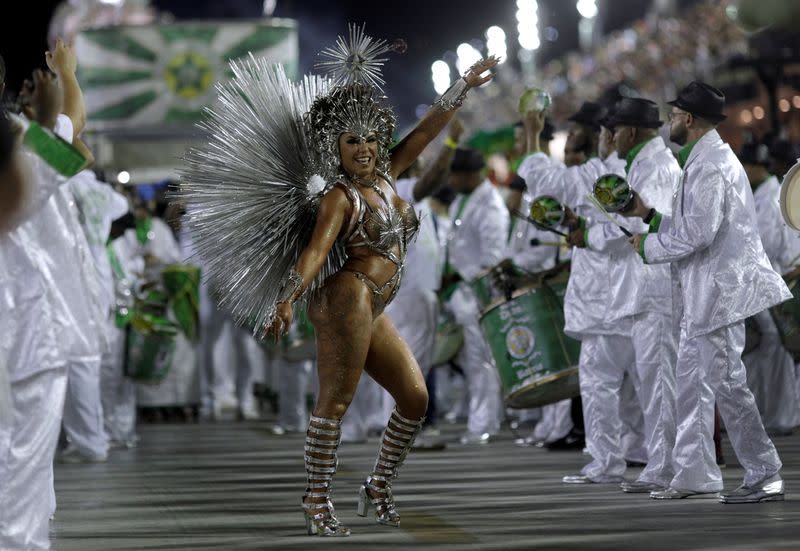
(771, 378)
(231, 362)
(710, 370)
(475, 359)
(365, 411)
(118, 392)
(555, 423)
(83, 409)
(27, 444)
(294, 382)
(648, 357)
(630, 414)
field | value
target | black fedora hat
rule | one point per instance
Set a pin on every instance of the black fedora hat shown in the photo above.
(467, 160)
(701, 100)
(607, 120)
(637, 112)
(589, 114)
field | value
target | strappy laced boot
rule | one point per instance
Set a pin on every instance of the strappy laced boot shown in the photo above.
(322, 441)
(377, 489)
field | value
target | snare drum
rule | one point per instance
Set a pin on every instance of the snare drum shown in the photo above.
(449, 339)
(538, 363)
(149, 348)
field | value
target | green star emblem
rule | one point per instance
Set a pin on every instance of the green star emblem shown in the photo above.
(188, 75)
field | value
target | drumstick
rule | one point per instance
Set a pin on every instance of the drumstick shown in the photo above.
(538, 243)
(602, 209)
(530, 220)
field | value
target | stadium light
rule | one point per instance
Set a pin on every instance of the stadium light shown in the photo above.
(587, 8)
(528, 24)
(496, 42)
(467, 57)
(440, 74)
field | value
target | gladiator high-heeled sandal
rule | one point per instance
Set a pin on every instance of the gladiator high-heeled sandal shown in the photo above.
(377, 489)
(322, 441)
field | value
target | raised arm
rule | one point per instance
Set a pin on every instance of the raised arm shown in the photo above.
(432, 178)
(63, 63)
(437, 117)
(330, 219)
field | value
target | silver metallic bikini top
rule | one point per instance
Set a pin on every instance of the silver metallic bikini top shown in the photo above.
(380, 229)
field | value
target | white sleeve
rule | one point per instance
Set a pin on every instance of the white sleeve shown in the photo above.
(44, 182)
(64, 128)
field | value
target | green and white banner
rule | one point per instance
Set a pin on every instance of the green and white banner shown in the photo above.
(157, 75)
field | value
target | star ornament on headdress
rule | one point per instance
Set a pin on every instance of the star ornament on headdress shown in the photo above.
(358, 60)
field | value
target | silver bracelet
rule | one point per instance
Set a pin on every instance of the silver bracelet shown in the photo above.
(290, 287)
(454, 96)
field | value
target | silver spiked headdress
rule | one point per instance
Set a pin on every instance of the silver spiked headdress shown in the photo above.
(355, 103)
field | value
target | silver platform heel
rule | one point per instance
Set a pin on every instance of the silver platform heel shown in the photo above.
(377, 488)
(322, 441)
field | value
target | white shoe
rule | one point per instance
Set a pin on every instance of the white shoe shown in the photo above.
(248, 412)
(470, 438)
(73, 455)
(671, 493)
(771, 489)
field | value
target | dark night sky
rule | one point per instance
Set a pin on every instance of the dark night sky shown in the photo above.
(430, 27)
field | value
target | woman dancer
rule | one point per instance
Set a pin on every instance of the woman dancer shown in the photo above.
(351, 262)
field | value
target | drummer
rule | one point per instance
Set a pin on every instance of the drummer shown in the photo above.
(724, 276)
(534, 251)
(770, 367)
(588, 313)
(642, 294)
(480, 223)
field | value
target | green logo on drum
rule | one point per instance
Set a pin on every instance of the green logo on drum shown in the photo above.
(520, 342)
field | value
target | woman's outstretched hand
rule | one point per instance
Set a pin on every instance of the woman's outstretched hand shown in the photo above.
(282, 322)
(473, 77)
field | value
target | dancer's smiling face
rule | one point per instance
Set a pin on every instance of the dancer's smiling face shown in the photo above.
(358, 154)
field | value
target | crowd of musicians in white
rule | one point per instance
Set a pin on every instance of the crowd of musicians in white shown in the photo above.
(660, 316)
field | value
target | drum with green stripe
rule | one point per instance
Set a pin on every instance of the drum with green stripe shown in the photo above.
(150, 346)
(538, 363)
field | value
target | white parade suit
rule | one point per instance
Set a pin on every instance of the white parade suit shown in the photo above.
(770, 368)
(96, 205)
(643, 294)
(182, 384)
(117, 390)
(476, 242)
(34, 366)
(556, 419)
(721, 276)
(596, 316)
